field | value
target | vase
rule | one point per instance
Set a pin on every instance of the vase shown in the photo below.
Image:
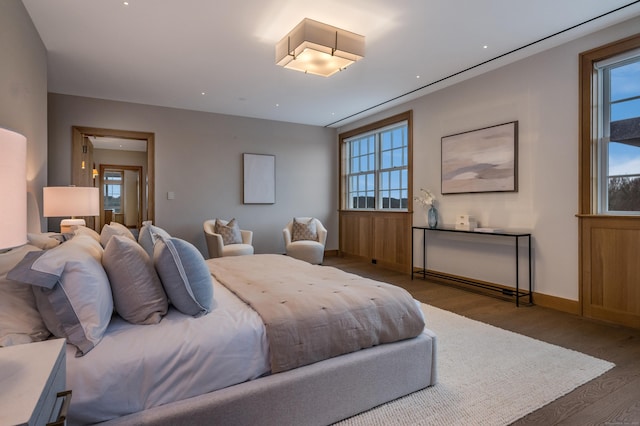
(432, 217)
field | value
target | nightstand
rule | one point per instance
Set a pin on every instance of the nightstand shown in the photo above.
(32, 383)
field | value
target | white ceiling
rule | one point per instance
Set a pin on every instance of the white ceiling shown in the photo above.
(169, 52)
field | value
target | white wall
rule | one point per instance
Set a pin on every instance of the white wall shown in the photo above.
(198, 156)
(23, 97)
(541, 93)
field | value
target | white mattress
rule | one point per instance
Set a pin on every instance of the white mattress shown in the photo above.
(136, 367)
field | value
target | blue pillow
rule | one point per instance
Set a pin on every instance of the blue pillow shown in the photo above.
(184, 275)
(148, 236)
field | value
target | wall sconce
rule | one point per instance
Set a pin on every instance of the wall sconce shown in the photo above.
(316, 48)
(13, 189)
(60, 201)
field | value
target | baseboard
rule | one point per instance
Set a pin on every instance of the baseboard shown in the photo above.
(557, 303)
(539, 299)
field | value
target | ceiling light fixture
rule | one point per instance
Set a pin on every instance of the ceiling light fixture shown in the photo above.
(316, 48)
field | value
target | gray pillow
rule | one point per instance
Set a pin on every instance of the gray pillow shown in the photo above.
(230, 231)
(71, 289)
(138, 295)
(114, 228)
(83, 230)
(149, 235)
(304, 230)
(184, 276)
(20, 321)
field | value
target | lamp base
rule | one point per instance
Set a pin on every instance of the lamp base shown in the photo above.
(66, 224)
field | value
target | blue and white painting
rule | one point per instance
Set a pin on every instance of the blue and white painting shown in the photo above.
(482, 160)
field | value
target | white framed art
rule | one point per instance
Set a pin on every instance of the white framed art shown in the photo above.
(259, 179)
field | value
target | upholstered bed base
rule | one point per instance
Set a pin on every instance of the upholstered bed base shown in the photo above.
(317, 394)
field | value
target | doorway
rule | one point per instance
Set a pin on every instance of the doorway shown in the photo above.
(121, 189)
(85, 170)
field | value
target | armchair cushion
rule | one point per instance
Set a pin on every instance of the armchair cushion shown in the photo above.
(303, 230)
(230, 231)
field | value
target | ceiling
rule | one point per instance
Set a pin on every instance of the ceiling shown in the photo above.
(219, 56)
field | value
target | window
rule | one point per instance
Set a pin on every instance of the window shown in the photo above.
(376, 168)
(618, 133)
(113, 190)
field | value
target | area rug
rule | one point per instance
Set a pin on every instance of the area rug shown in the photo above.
(486, 376)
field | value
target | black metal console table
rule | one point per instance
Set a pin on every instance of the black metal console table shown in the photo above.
(505, 291)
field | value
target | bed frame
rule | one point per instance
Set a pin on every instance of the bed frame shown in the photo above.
(318, 394)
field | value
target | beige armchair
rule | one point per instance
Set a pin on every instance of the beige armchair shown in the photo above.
(307, 250)
(215, 242)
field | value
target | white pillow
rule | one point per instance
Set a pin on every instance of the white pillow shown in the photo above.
(87, 243)
(20, 321)
(184, 275)
(71, 289)
(138, 295)
(43, 241)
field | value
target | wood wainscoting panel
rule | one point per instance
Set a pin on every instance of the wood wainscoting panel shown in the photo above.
(355, 234)
(382, 237)
(610, 278)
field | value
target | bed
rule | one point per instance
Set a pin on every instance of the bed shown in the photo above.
(223, 367)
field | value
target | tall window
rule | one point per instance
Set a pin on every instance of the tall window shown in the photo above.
(618, 151)
(376, 168)
(113, 190)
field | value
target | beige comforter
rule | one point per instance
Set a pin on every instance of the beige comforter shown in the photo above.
(316, 312)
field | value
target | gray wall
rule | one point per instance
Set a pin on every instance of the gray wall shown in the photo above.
(198, 156)
(23, 97)
(541, 92)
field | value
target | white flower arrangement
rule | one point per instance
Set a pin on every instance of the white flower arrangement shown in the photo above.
(427, 199)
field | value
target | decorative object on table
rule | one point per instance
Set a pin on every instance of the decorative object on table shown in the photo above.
(484, 160)
(464, 222)
(489, 230)
(432, 217)
(13, 190)
(74, 201)
(428, 200)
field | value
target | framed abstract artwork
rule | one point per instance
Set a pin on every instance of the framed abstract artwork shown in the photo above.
(259, 183)
(483, 160)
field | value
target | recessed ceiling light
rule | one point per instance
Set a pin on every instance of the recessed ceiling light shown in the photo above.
(417, 76)
(203, 93)
(277, 105)
(485, 46)
(126, 3)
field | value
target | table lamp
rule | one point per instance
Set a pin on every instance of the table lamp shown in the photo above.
(59, 201)
(13, 189)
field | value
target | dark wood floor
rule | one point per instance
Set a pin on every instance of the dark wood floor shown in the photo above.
(611, 399)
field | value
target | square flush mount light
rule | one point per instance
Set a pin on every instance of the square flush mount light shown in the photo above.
(316, 48)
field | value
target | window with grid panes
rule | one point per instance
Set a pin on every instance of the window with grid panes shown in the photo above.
(618, 92)
(377, 169)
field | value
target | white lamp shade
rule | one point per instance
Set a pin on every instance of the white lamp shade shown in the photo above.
(61, 201)
(13, 189)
